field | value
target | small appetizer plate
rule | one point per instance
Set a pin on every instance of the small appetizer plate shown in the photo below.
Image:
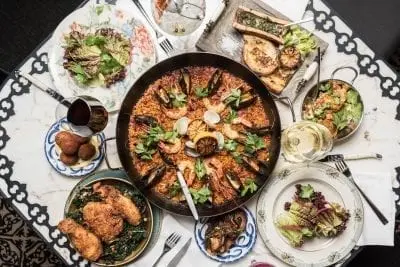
(52, 152)
(242, 246)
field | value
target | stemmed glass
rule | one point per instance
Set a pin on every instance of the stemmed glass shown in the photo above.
(178, 18)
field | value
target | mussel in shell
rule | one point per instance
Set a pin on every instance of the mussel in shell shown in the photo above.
(153, 175)
(255, 165)
(146, 120)
(246, 99)
(260, 131)
(233, 180)
(185, 82)
(167, 159)
(215, 82)
(163, 98)
(206, 143)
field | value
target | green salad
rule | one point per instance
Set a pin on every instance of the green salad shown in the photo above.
(97, 59)
(310, 215)
(301, 39)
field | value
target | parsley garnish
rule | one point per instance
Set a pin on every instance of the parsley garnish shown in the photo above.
(178, 99)
(174, 189)
(201, 195)
(200, 169)
(254, 143)
(234, 97)
(144, 151)
(230, 145)
(201, 92)
(249, 186)
(231, 116)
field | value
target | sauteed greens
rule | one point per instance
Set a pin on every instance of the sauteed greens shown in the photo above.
(97, 59)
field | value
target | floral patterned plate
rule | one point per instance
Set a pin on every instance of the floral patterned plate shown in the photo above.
(336, 188)
(90, 18)
(243, 244)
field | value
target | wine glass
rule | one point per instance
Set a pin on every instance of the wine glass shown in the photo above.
(306, 141)
(178, 17)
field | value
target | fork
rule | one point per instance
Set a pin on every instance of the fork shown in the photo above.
(171, 241)
(161, 39)
(343, 168)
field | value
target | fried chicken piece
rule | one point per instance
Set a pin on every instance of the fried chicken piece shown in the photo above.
(84, 241)
(103, 219)
(124, 205)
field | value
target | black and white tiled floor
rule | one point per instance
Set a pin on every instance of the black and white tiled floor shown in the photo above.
(19, 244)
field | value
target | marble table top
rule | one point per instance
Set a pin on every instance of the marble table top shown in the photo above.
(38, 192)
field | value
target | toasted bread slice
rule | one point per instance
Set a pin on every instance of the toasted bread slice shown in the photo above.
(245, 28)
(260, 55)
(276, 81)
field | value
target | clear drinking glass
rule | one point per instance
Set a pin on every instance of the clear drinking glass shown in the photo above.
(306, 141)
(178, 17)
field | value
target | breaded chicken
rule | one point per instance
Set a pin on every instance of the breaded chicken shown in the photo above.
(103, 219)
(84, 241)
(124, 205)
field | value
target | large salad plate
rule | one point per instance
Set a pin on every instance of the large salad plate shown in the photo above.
(91, 18)
(336, 188)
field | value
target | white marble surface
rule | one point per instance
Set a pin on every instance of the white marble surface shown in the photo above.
(34, 113)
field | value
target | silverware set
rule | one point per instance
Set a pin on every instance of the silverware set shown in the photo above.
(170, 243)
(161, 39)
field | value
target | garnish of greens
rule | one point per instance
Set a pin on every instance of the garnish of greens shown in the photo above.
(201, 92)
(254, 143)
(200, 169)
(97, 59)
(230, 145)
(309, 215)
(237, 157)
(249, 186)
(130, 237)
(301, 39)
(200, 196)
(234, 97)
(231, 116)
(147, 147)
(178, 99)
(174, 189)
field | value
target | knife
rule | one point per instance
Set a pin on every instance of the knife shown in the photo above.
(337, 157)
(187, 194)
(175, 260)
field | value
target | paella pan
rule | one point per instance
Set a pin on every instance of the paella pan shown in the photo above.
(207, 116)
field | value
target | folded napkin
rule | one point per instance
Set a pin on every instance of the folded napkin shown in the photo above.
(378, 188)
(293, 9)
(193, 256)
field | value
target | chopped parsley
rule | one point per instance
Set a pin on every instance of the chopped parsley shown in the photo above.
(200, 169)
(174, 189)
(249, 186)
(230, 145)
(201, 195)
(231, 116)
(201, 92)
(254, 143)
(234, 97)
(178, 99)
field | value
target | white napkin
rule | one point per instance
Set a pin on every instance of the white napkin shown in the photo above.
(293, 9)
(378, 188)
(193, 256)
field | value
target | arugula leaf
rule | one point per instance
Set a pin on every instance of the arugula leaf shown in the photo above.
(231, 116)
(144, 152)
(230, 145)
(254, 143)
(249, 186)
(201, 92)
(174, 189)
(340, 119)
(234, 97)
(201, 195)
(306, 191)
(200, 169)
(95, 40)
(237, 157)
(178, 99)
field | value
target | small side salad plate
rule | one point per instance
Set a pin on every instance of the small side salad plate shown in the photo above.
(100, 50)
(82, 166)
(227, 238)
(310, 215)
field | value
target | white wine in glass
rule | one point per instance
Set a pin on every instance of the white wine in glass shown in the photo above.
(306, 141)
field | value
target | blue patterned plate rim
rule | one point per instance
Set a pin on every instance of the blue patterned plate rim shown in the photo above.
(66, 170)
(227, 257)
